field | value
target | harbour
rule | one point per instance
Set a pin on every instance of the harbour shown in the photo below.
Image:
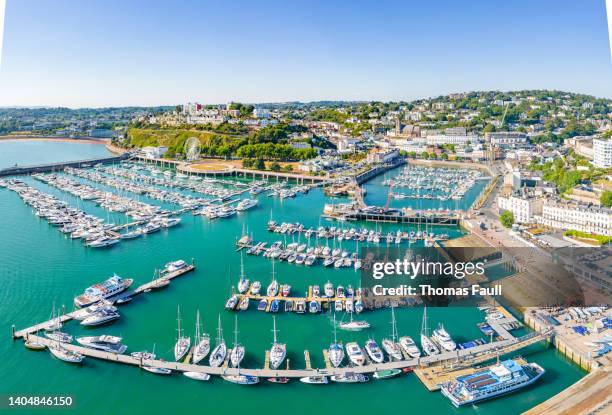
(212, 280)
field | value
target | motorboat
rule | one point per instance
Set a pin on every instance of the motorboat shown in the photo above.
(241, 379)
(100, 317)
(111, 344)
(355, 354)
(350, 378)
(106, 289)
(443, 339)
(409, 347)
(374, 351)
(157, 370)
(386, 373)
(174, 266)
(315, 380)
(197, 375)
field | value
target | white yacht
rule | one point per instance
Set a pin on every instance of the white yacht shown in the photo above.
(106, 289)
(255, 287)
(100, 317)
(315, 380)
(443, 339)
(182, 343)
(217, 357)
(59, 336)
(278, 350)
(238, 351)
(335, 351)
(197, 375)
(243, 283)
(64, 354)
(350, 378)
(111, 344)
(390, 345)
(174, 266)
(374, 351)
(410, 347)
(202, 342)
(428, 346)
(355, 354)
(157, 370)
(246, 204)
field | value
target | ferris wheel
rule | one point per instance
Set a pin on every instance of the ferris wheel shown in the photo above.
(192, 148)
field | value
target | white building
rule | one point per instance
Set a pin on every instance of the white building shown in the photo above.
(300, 145)
(382, 155)
(507, 139)
(572, 216)
(523, 208)
(261, 113)
(154, 152)
(602, 152)
(440, 139)
(347, 144)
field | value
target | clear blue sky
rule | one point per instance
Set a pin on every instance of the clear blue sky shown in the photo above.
(132, 52)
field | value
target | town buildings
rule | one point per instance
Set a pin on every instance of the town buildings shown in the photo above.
(602, 152)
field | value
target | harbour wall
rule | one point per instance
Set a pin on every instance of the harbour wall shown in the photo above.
(51, 167)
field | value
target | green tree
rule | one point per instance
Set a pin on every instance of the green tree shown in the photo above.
(606, 198)
(288, 168)
(506, 218)
(275, 166)
(425, 154)
(259, 164)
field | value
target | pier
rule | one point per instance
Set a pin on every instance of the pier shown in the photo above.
(468, 356)
(27, 332)
(52, 167)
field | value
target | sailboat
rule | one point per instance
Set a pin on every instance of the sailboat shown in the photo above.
(278, 351)
(202, 342)
(243, 283)
(65, 354)
(354, 325)
(54, 322)
(428, 346)
(335, 351)
(272, 289)
(182, 343)
(217, 357)
(238, 351)
(34, 344)
(390, 345)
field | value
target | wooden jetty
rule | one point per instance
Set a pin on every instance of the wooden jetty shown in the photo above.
(466, 357)
(69, 316)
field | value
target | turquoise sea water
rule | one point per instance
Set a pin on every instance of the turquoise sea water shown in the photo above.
(40, 265)
(29, 152)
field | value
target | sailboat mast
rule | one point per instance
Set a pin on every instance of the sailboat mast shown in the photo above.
(335, 329)
(235, 330)
(178, 319)
(197, 335)
(393, 326)
(424, 329)
(274, 329)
